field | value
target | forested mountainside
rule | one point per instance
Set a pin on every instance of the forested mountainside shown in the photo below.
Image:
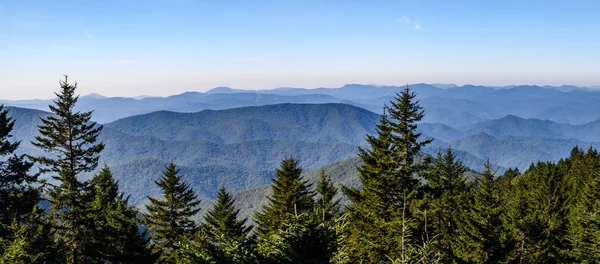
(394, 203)
(240, 147)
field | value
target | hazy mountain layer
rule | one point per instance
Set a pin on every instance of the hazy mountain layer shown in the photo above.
(240, 148)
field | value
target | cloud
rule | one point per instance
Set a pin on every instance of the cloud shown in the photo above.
(413, 22)
(21, 48)
(404, 20)
(417, 25)
(123, 62)
(88, 34)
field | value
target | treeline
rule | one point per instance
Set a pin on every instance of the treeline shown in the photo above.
(409, 208)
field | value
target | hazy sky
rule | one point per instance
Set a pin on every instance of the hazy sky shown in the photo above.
(126, 47)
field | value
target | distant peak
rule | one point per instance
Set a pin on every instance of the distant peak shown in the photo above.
(221, 89)
(94, 96)
(444, 86)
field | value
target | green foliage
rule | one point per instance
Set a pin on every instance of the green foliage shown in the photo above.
(389, 177)
(18, 195)
(222, 238)
(19, 249)
(291, 195)
(69, 139)
(206, 248)
(327, 202)
(223, 220)
(117, 237)
(303, 238)
(446, 192)
(30, 240)
(169, 218)
(480, 230)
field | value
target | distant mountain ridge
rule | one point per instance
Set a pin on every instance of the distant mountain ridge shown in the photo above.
(448, 104)
(241, 147)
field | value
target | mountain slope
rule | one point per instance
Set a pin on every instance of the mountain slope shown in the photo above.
(327, 123)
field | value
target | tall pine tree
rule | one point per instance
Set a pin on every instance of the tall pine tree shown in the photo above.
(170, 218)
(390, 177)
(69, 137)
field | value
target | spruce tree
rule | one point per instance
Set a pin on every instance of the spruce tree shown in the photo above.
(18, 196)
(369, 205)
(282, 223)
(221, 239)
(170, 218)
(117, 237)
(222, 220)
(329, 205)
(480, 232)
(582, 206)
(405, 112)
(291, 195)
(390, 177)
(446, 197)
(69, 138)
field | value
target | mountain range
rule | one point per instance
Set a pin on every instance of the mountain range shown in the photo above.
(456, 106)
(241, 147)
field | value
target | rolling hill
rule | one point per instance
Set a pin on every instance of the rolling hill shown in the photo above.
(241, 147)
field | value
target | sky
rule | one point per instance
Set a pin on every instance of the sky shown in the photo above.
(129, 48)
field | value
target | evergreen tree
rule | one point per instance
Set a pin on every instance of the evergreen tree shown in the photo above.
(69, 138)
(582, 207)
(406, 112)
(223, 237)
(18, 248)
(18, 196)
(538, 213)
(479, 238)
(327, 202)
(446, 197)
(304, 239)
(289, 213)
(169, 219)
(222, 220)
(291, 195)
(390, 177)
(117, 237)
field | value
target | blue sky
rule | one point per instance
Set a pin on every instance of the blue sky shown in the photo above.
(126, 47)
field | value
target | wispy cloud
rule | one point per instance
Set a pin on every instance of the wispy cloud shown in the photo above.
(413, 22)
(124, 62)
(21, 48)
(88, 34)
(405, 20)
(417, 25)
